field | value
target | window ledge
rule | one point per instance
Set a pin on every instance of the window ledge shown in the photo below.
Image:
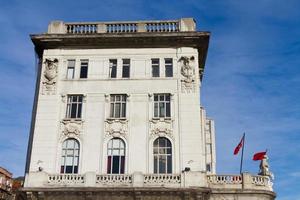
(73, 119)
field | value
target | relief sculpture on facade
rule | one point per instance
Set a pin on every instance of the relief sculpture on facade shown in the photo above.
(71, 127)
(161, 128)
(116, 127)
(50, 76)
(188, 72)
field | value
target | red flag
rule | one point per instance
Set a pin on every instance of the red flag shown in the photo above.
(259, 155)
(239, 146)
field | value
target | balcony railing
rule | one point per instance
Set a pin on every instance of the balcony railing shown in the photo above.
(114, 180)
(137, 179)
(181, 25)
(162, 180)
(66, 179)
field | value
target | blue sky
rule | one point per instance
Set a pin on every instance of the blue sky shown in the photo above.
(251, 82)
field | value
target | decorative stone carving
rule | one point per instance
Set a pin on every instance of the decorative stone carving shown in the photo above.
(264, 168)
(161, 127)
(116, 127)
(72, 127)
(50, 76)
(188, 72)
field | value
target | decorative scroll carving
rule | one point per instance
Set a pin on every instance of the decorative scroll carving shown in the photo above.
(188, 73)
(116, 127)
(161, 127)
(72, 127)
(50, 76)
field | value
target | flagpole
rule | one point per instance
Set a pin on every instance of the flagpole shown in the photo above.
(242, 157)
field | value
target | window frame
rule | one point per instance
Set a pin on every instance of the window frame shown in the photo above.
(155, 65)
(157, 103)
(120, 154)
(79, 106)
(169, 65)
(124, 66)
(69, 67)
(114, 103)
(162, 154)
(113, 65)
(84, 63)
(65, 154)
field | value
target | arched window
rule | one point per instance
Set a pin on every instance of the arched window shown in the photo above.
(162, 152)
(116, 156)
(70, 157)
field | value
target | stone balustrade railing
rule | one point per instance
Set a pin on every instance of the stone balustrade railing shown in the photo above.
(162, 180)
(66, 179)
(181, 25)
(137, 179)
(114, 179)
(224, 179)
(244, 181)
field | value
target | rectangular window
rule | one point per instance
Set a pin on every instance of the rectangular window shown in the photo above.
(126, 68)
(118, 106)
(155, 67)
(74, 106)
(71, 69)
(113, 68)
(162, 105)
(84, 68)
(168, 67)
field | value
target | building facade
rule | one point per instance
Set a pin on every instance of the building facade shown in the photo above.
(5, 184)
(117, 115)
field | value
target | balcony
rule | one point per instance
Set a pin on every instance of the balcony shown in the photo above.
(161, 26)
(183, 180)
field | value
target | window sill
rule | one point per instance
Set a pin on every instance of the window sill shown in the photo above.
(73, 119)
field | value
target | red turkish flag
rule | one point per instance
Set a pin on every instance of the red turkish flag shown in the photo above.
(239, 146)
(259, 155)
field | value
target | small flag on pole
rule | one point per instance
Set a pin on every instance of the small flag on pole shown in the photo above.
(259, 155)
(239, 146)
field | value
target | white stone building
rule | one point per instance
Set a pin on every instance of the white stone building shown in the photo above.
(117, 113)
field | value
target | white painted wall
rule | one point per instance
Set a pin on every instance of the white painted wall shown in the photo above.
(187, 126)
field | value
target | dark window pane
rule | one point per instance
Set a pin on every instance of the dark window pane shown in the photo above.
(73, 111)
(162, 164)
(161, 97)
(83, 72)
(169, 71)
(167, 97)
(62, 169)
(113, 73)
(123, 110)
(122, 164)
(115, 164)
(155, 71)
(169, 164)
(117, 110)
(155, 97)
(69, 169)
(168, 113)
(155, 109)
(162, 142)
(126, 72)
(109, 164)
(161, 110)
(155, 164)
(79, 111)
